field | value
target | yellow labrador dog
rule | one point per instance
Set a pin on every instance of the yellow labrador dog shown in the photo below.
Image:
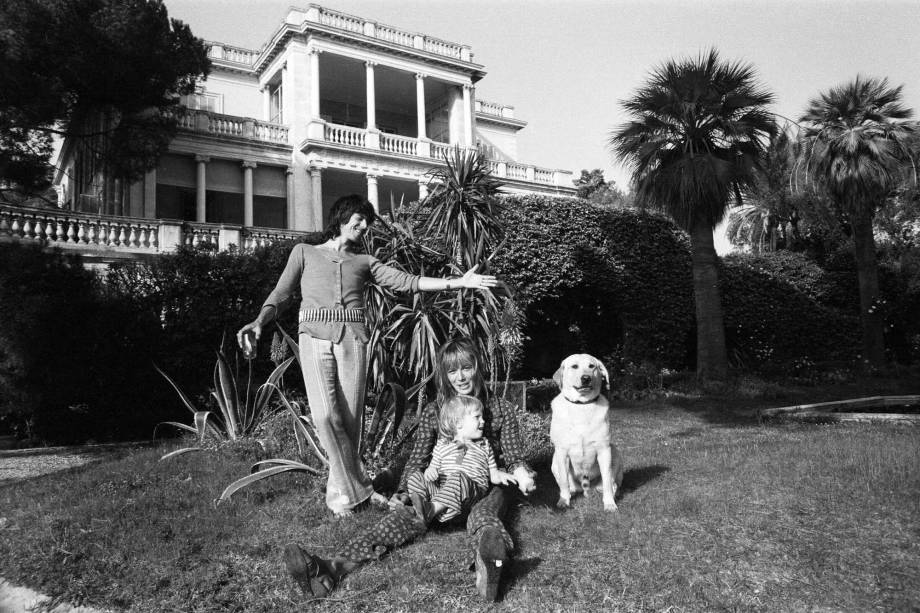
(580, 433)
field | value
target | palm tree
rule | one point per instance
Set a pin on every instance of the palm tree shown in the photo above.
(698, 132)
(769, 216)
(855, 149)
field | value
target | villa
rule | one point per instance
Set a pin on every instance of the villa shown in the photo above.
(331, 104)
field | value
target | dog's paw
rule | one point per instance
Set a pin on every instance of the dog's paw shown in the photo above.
(610, 507)
(563, 503)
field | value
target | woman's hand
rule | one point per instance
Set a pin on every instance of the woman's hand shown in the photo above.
(431, 473)
(473, 280)
(248, 337)
(500, 477)
(525, 479)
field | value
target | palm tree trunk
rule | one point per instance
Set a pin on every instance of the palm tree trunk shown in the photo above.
(711, 355)
(870, 315)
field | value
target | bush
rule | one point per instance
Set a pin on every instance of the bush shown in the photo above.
(773, 318)
(199, 297)
(70, 355)
(596, 279)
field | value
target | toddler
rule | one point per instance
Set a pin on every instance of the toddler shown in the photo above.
(462, 464)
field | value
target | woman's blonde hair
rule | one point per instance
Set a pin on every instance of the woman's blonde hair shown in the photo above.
(452, 355)
(452, 413)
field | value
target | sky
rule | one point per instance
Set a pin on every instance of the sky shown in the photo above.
(566, 65)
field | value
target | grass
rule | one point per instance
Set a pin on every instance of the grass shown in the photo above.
(718, 513)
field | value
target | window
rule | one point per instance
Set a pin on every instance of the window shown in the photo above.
(204, 101)
(274, 104)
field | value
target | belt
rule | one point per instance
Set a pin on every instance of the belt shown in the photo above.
(336, 315)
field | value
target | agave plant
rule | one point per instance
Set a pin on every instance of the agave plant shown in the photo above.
(384, 427)
(238, 416)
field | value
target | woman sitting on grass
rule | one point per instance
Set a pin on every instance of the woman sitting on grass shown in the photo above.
(458, 373)
(462, 465)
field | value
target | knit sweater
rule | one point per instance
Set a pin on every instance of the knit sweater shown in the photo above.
(334, 280)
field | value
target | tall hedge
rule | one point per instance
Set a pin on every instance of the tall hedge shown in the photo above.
(199, 298)
(596, 279)
(616, 282)
(71, 356)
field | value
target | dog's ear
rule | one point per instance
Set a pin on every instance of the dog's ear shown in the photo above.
(603, 370)
(557, 376)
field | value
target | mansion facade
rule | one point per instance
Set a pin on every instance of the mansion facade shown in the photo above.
(332, 104)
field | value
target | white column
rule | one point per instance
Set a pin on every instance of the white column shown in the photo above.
(420, 103)
(316, 194)
(289, 191)
(314, 82)
(372, 192)
(422, 188)
(371, 96)
(201, 186)
(468, 115)
(247, 192)
(266, 103)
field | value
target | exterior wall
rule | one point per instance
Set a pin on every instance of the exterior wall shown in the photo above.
(500, 143)
(239, 93)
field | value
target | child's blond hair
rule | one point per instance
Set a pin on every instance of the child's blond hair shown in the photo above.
(453, 411)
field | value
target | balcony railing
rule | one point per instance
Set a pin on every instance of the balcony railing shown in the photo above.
(230, 125)
(364, 27)
(125, 236)
(338, 134)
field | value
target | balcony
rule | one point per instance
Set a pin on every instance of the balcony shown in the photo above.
(207, 122)
(109, 237)
(351, 138)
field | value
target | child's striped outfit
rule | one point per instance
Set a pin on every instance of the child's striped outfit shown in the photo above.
(463, 476)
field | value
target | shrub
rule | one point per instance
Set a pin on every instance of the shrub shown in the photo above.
(198, 297)
(71, 356)
(774, 320)
(594, 279)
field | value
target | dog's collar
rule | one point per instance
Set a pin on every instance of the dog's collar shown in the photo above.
(583, 401)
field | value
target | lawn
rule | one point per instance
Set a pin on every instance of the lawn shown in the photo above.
(718, 513)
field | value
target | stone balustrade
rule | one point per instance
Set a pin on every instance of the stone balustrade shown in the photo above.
(234, 55)
(345, 135)
(70, 229)
(119, 237)
(494, 108)
(232, 126)
(404, 145)
(358, 25)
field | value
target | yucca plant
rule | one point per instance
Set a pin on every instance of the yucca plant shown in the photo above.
(454, 229)
(238, 416)
(383, 428)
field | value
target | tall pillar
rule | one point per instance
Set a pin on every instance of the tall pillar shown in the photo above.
(247, 192)
(201, 187)
(266, 103)
(372, 192)
(371, 96)
(420, 103)
(289, 193)
(468, 115)
(316, 195)
(314, 83)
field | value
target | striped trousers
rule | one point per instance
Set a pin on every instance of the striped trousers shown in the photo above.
(457, 491)
(334, 376)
